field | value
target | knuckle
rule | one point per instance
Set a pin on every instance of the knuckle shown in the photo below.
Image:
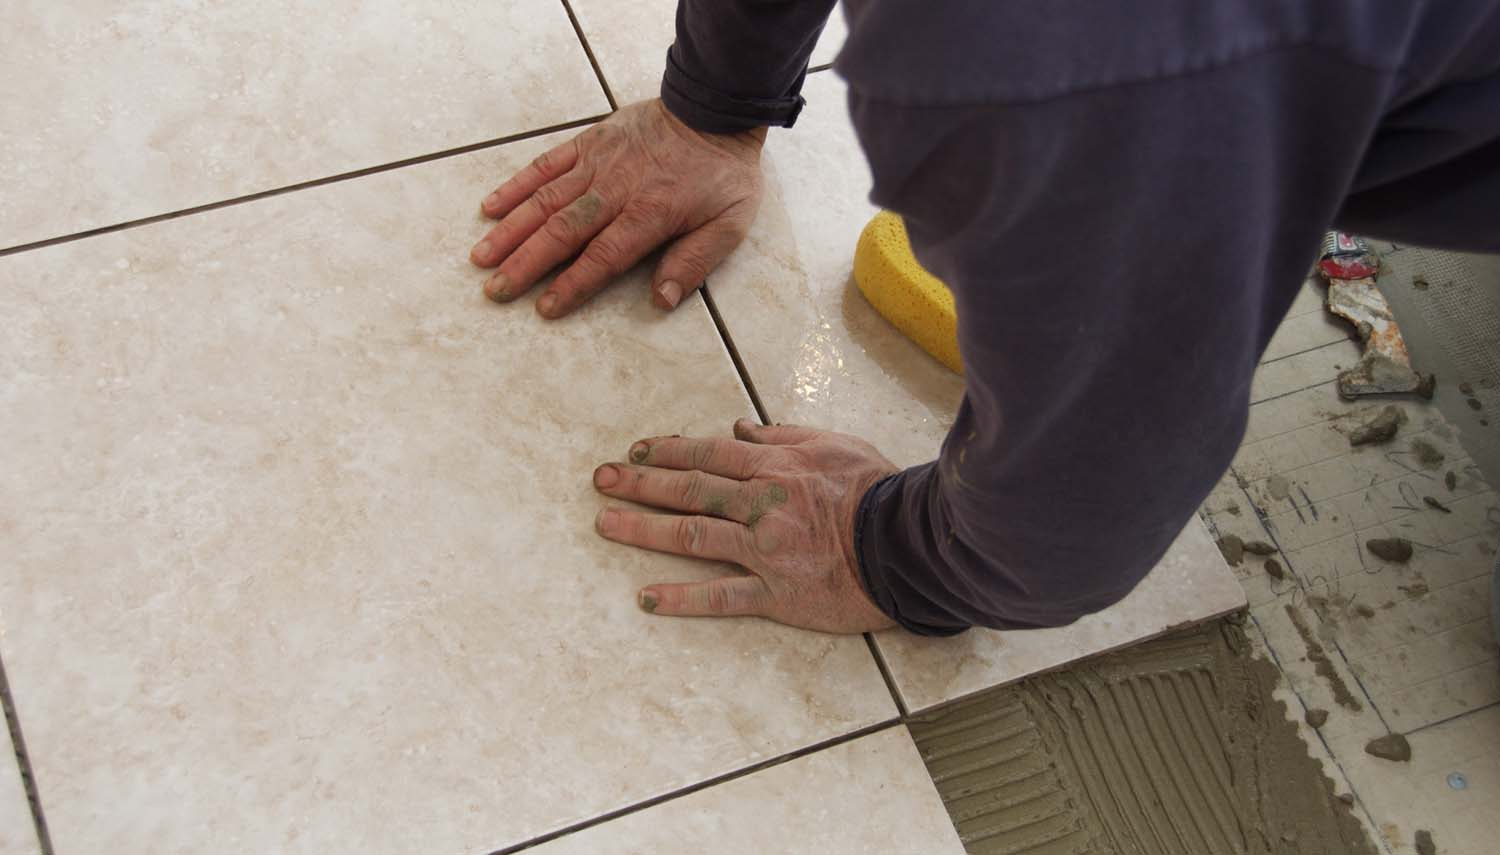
(561, 228)
(690, 536)
(548, 197)
(651, 209)
(702, 455)
(721, 599)
(691, 490)
(605, 253)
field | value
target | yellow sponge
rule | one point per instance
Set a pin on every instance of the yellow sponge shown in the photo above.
(917, 302)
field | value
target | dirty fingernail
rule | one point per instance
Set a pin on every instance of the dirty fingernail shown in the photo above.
(498, 288)
(481, 251)
(491, 200)
(605, 520)
(606, 476)
(671, 293)
(547, 304)
(648, 601)
(639, 452)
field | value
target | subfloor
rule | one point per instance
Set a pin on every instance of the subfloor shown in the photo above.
(297, 526)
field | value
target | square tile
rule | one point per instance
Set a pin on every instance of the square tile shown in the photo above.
(300, 554)
(870, 795)
(17, 836)
(630, 39)
(818, 354)
(130, 110)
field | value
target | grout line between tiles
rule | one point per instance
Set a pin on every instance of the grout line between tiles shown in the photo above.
(302, 185)
(734, 355)
(23, 764)
(588, 49)
(826, 744)
(887, 676)
(1302, 352)
(1455, 717)
(765, 419)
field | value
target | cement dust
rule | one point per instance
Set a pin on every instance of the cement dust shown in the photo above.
(1171, 747)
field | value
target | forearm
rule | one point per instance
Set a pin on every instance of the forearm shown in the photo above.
(1119, 259)
(739, 64)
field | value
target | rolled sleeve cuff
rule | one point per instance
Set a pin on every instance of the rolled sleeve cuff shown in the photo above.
(703, 108)
(883, 582)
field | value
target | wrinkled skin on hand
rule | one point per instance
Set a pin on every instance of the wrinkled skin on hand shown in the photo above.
(779, 501)
(612, 195)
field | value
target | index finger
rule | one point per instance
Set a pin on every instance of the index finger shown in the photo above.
(547, 166)
(730, 458)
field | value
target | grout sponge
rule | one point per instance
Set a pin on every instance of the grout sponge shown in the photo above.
(915, 301)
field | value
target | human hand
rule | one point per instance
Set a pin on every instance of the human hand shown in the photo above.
(616, 192)
(779, 501)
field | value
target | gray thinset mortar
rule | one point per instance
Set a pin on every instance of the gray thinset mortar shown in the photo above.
(1173, 746)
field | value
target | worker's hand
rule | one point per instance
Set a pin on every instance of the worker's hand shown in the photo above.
(616, 192)
(778, 501)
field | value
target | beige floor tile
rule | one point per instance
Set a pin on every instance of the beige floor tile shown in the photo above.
(130, 110)
(630, 40)
(299, 543)
(819, 354)
(17, 836)
(871, 795)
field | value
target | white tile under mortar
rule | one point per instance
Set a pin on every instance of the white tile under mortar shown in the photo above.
(299, 539)
(118, 111)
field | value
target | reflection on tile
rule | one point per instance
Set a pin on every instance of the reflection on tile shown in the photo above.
(139, 109)
(630, 40)
(871, 795)
(299, 544)
(17, 836)
(820, 355)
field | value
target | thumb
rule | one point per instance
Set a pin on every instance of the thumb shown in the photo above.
(689, 260)
(727, 595)
(749, 431)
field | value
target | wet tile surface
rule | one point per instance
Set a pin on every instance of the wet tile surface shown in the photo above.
(299, 529)
(132, 110)
(630, 39)
(870, 795)
(820, 355)
(16, 834)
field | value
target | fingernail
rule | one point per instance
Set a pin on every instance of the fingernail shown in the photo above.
(671, 293)
(639, 452)
(648, 601)
(491, 200)
(606, 476)
(498, 288)
(605, 521)
(481, 252)
(547, 304)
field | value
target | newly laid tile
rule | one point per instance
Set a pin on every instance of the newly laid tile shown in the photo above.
(630, 40)
(1189, 585)
(114, 111)
(299, 545)
(17, 836)
(870, 795)
(820, 355)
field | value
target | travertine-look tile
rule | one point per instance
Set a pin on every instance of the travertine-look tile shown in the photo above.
(819, 354)
(17, 837)
(870, 796)
(630, 40)
(114, 112)
(1190, 584)
(299, 545)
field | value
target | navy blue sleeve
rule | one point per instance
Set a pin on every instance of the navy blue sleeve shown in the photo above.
(1120, 257)
(739, 64)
